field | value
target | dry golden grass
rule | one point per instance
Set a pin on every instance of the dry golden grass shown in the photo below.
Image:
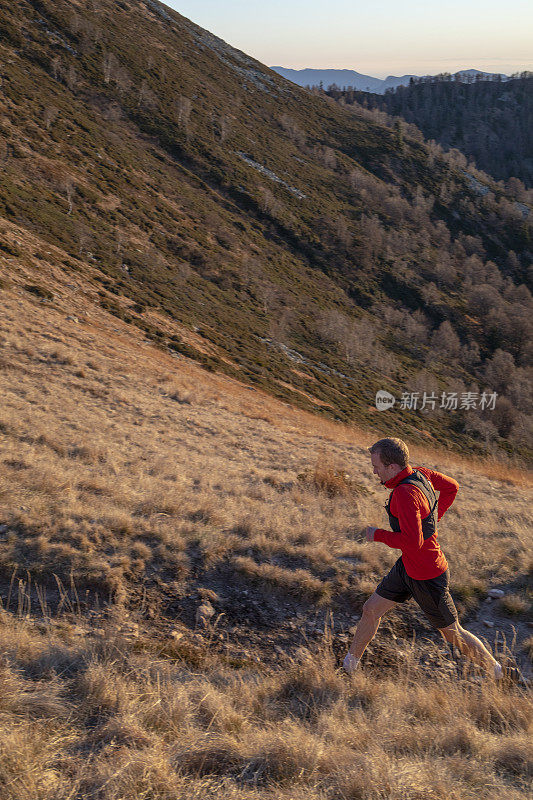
(122, 468)
(333, 481)
(527, 646)
(96, 716)
(515, 604)
(108, 473)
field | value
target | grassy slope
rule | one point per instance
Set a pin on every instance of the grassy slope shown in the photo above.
(177, 221)
(156, 486)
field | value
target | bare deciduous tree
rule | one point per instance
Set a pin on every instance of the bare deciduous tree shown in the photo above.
(75, 22)
(424, 381)
(56, 67)
(522, 432)
(342, 232)
(119, 240)
(515, 187)
(147, 98)
(422, 205)
(470, 354)
(480, 427)
(410, 328)
(431, 295)
(443, 271)
(224, 127)
(504, 416)
(416, 327)
(456, 158)
(328, 157)
(483, 298)
(90, 36)
(109, 66)
(49, 116)
(445, 341)
(70, 189)
(520, 389)
(499, 370)
(184, 108)
(123, 79)
(221, 124)
(84, 237)
(252, 271)
(357, 339)
(371, 238)
(279, 324)
(291, 127)
(268, 294)
(183, 271)
(445, 193)
(113, 113)
(269, 203)
(71, 77)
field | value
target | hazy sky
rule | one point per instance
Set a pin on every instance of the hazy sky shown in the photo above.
(376, 37)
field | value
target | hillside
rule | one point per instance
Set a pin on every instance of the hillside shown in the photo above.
(134, 487)
(261, 229)
(488, 121)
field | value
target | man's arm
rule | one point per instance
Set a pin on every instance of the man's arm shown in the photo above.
(408, 501)
(446, 486)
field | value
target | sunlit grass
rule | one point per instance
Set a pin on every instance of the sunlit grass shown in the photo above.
(112, 490)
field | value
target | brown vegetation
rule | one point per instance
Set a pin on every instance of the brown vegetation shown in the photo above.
(135, 489)
(95, 714)
(256, 216)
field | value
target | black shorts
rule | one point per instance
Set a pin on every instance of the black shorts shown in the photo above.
(433, 596)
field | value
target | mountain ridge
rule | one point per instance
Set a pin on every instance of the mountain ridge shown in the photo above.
(350, 78)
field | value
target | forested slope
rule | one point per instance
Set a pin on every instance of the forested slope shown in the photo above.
(490, 121)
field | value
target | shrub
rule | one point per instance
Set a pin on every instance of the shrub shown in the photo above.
(10, 249)
(298, 582)
(333, 481)
(514, 605)
(39, 291)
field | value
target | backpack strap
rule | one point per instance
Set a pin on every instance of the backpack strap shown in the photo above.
(415, 479)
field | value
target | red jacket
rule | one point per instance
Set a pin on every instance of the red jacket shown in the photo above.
(422, 559)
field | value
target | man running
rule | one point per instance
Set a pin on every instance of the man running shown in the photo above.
(421, 571)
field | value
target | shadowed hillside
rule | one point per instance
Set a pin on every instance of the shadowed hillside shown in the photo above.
(268, 233)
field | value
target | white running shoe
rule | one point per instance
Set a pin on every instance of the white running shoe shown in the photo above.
(350, 663)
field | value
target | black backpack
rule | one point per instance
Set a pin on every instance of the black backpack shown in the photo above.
(429, 523)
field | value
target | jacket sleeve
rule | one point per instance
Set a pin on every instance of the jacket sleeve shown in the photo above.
(410, 537)
(447, 488)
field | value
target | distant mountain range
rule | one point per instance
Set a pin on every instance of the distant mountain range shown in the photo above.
(365, 83)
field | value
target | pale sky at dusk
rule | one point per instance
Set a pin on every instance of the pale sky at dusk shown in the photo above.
(377, 38)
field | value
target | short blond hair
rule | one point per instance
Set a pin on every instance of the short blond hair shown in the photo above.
(391, 451)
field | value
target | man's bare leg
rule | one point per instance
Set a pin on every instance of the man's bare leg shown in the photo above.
(472, 647)
(374, 608)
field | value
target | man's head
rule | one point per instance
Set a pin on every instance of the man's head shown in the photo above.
(389, 457)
